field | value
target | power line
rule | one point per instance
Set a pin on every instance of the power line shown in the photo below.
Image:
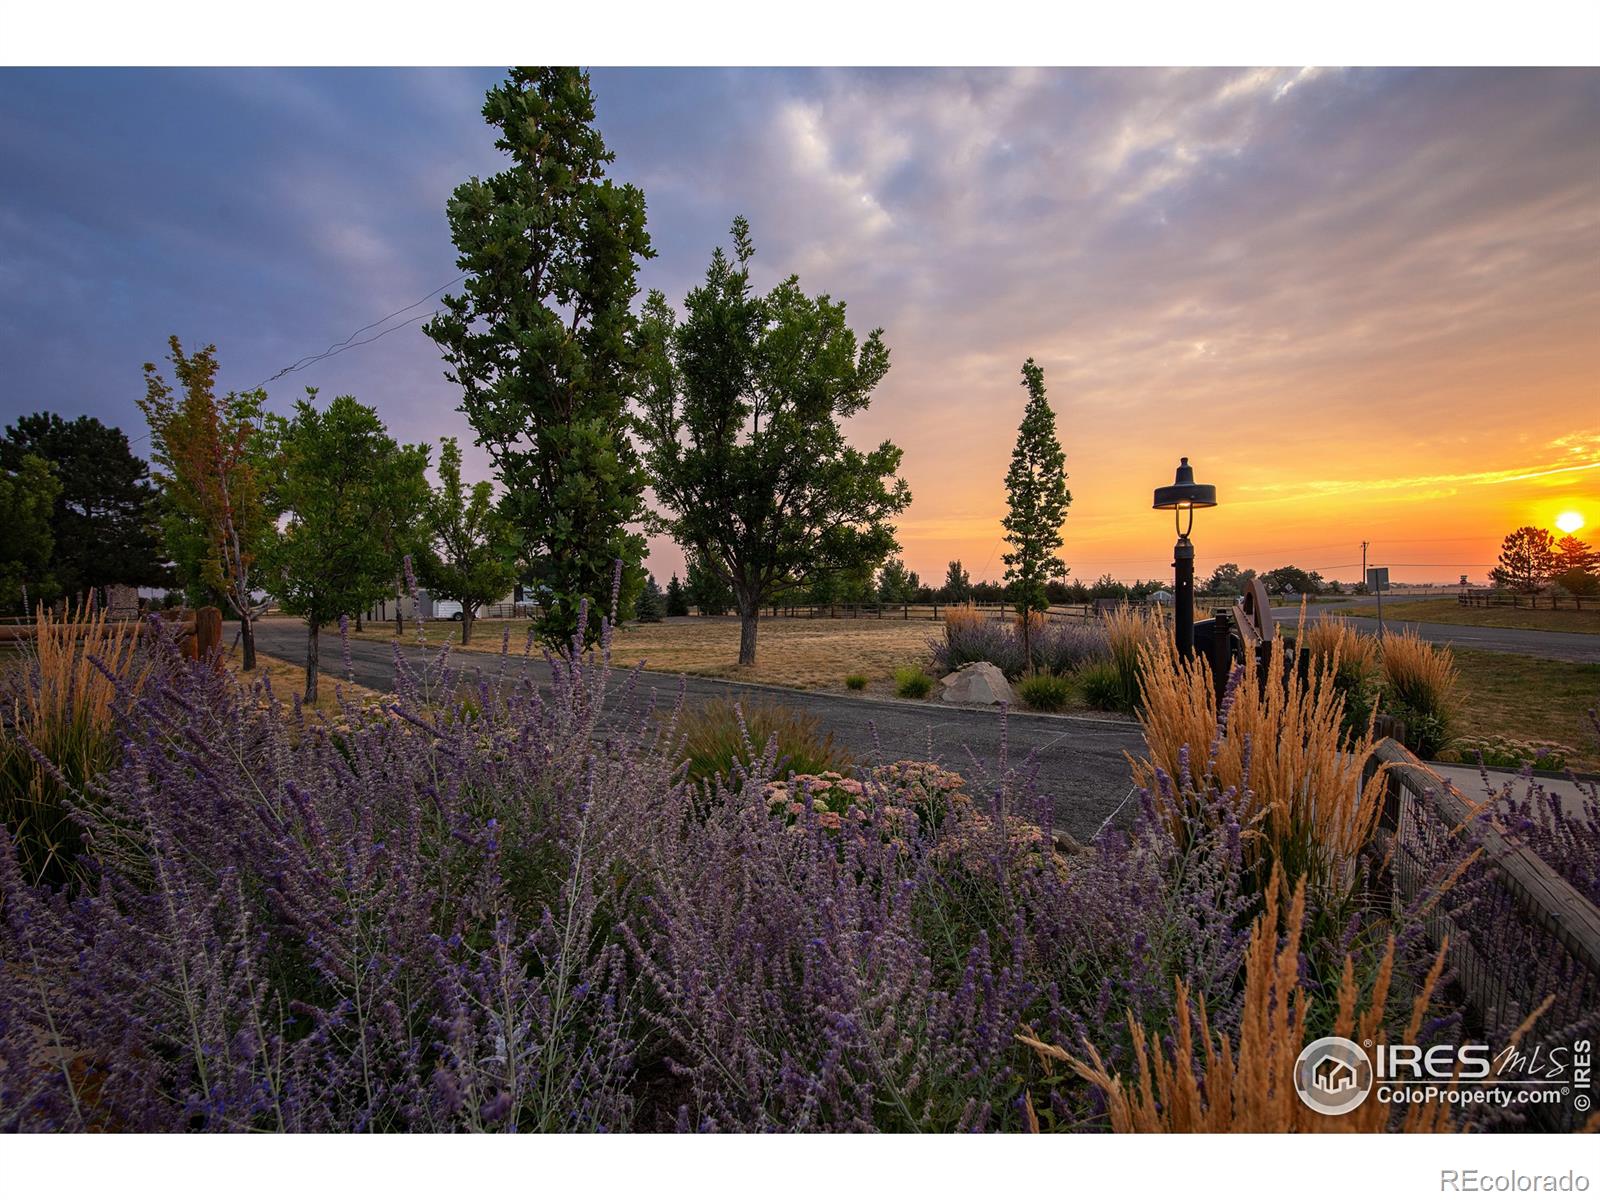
(350, 342)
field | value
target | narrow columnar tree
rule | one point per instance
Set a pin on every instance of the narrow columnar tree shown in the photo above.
(741, 423)
(336, 470)
(1037, 500)
(957, 584)
(540, 341)
(208, 457)
(677, 598)
(470, 550)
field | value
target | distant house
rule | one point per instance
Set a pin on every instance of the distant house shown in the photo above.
(1161, 597)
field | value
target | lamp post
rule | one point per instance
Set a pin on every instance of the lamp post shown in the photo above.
(1183, 497)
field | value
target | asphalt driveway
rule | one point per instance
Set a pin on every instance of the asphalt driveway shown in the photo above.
(1079, 761)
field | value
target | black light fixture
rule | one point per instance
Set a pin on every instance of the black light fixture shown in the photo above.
(1183, 497)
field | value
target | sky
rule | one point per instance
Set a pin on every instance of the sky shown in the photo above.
(1364, 303)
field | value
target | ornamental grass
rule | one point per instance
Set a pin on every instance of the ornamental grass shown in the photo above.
(1420, 688)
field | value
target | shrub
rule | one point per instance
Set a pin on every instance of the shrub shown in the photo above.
(1130, 632)
(1420, 685)
(723, 734)
(1045, 692)
(1355, 659)
(1102, 687)
(855, 683)
(1060, 647)
(60, 708)
(912, 683)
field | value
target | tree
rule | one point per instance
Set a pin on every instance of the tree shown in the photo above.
(1227, 580)
(105, 520)
(208, 455)
(1571, 554)
(1578, 582)
(1292, 579)
(677, 598)
(1527, 559)
(469, 553)
(895, 584)
(741, 425)
(651, 603)
(707, 590)
(957, 584)
(28, 494)
(540, 341)
(335, 472)
(1036, 506)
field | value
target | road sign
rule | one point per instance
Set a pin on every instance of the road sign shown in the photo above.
(1377, 579)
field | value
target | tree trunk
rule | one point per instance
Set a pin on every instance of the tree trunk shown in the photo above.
(466, 624)
(358, 620)
(247, 642)
(749, 614)
(311, 661)
(1027, 642)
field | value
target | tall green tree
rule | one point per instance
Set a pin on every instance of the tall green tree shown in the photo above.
(208, 452)
(1036, 500)
(706, 589)
(677, 598)
(741, 424)
(895, 583)
(957, 584)
(105, 521)
(470, 552)
(336, 468)
(541, 341)
(28, 494)
(1527, 559)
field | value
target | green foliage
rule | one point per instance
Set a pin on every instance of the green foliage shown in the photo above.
(1578, 582)
(723, 733)
(541, 342)
(1293, 579)
(856, 683)
(470, 552)
(1036, 504)
(1045, 692)
(28, 494)
(652, 605)
(896, 585)
(706, 590)
(741, 422)
(1105, 688)
(912, 683)
(677, 598)
(957, 587)
(1527, 559)
(335, 468)
(105, 520)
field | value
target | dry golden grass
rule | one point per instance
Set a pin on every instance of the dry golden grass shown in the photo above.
(1420, 673)
(790, 651)
(1253, 1091)
(1304, 806)
(1335, 639)
(288, 680)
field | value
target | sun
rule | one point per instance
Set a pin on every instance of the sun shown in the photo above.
(1569, 522)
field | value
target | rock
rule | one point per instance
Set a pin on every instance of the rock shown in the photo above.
(977, 683)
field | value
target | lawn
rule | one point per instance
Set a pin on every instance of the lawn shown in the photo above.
(1449, 612)
(1527, 699)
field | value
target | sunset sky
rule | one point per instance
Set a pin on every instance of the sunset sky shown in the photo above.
(1365, 303)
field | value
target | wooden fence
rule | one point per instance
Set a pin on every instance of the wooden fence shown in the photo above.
(197, 632)
(1523, 600)
(1517, 931)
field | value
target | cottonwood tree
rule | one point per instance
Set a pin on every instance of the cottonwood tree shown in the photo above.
(540, 341)
(1036, 506)
(1527, 559)
(741, 424)
(28, 494)
(208, 457)
(336, 468)
(104, 523)
(469, 554)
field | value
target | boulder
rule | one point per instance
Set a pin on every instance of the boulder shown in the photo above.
(977, 683)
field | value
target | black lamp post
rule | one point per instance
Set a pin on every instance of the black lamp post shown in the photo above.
(1183, 497)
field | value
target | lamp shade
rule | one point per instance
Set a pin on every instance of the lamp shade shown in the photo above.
(1185, 492)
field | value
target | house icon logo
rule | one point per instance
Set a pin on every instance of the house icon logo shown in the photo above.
(1333, 1076)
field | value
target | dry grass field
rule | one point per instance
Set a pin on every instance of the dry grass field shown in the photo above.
(790, 651)
(289, 680)
(1529, 699)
